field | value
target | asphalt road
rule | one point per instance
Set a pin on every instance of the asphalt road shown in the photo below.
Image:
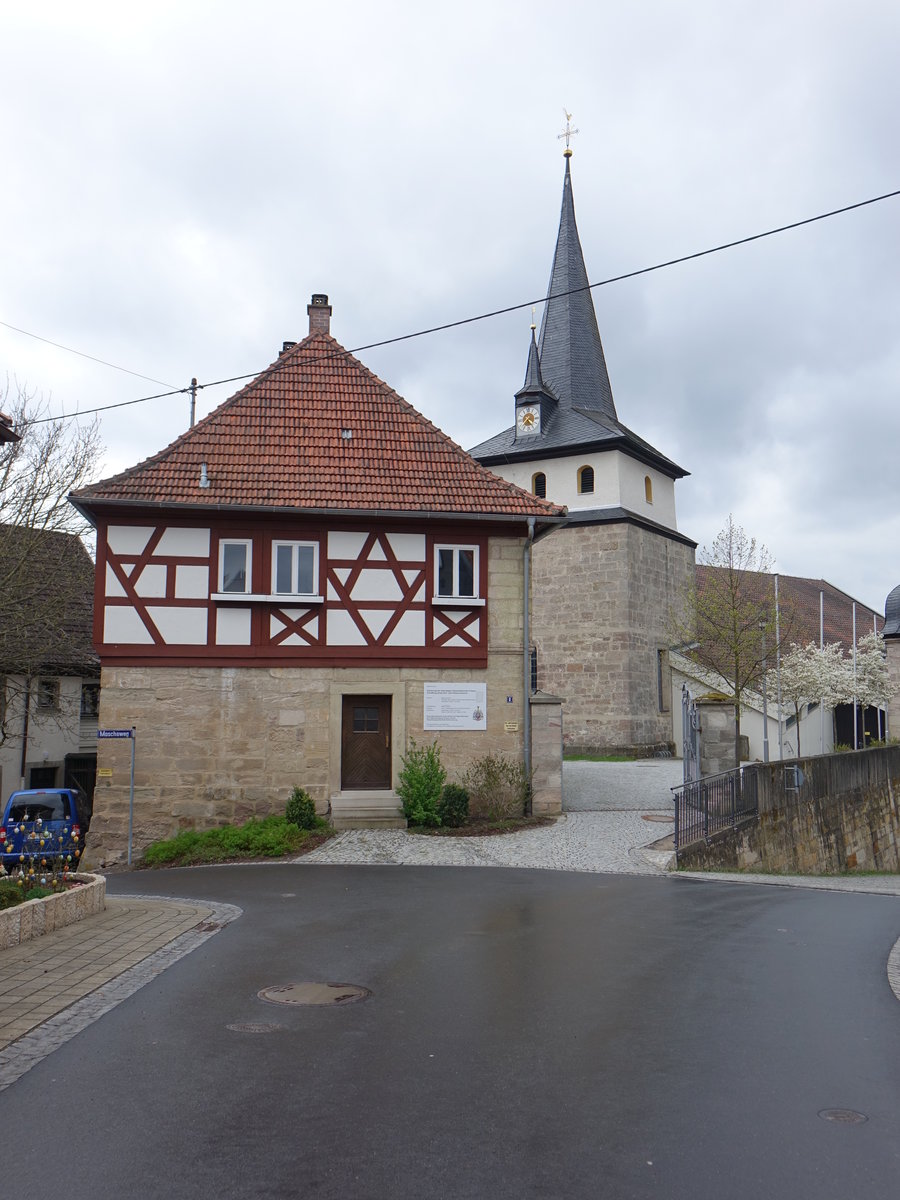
(529, 1034)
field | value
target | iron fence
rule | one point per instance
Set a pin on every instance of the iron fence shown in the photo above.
(704, 807)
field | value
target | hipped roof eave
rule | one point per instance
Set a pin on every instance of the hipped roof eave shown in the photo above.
(89, 506)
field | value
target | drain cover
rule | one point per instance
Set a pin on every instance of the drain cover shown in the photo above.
(315, 993)
(254, 1027)
(844, 1116)
(658, 817)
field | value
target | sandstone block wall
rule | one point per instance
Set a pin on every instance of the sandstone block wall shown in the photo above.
(716, 736)
(546, 754)
(845, 817)
(603, 602)
(221, 744)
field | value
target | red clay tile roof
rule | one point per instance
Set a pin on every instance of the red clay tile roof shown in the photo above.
(798, 600)
(280, 442)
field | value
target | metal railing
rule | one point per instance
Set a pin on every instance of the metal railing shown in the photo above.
(704, 807)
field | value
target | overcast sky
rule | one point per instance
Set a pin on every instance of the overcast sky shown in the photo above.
(178, 178)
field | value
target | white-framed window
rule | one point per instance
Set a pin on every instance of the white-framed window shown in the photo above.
(295, 568)
(235, 562)
(456, 571)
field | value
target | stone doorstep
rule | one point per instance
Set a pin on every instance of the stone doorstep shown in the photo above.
(367, 810)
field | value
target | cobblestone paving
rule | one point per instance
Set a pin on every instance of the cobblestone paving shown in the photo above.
(579, 841)
(602, 829)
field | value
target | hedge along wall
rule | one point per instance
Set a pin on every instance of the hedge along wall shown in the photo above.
(845, 816)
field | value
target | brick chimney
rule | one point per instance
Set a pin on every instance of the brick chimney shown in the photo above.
(319, 314)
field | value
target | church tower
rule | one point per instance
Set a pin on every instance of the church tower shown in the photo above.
(607, 585)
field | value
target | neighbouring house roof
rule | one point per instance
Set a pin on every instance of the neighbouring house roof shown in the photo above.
(798, 600)
(317, 431)
(46, 603)
(7, 433)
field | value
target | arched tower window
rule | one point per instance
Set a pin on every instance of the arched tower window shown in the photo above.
(585, 480)
(539, 485)
(648, 489)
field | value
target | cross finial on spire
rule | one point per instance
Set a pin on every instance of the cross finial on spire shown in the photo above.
(567, 133)
(533, 325)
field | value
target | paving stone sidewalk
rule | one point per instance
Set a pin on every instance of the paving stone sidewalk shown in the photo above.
(40, 978)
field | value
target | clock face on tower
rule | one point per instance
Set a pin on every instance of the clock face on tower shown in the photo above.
(528, 419)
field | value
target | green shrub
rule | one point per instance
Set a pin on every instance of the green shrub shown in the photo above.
(421, 779)
(453, 808)
(498, 787)
(301, 809)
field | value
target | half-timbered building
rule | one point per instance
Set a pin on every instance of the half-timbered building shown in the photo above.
(310, 577)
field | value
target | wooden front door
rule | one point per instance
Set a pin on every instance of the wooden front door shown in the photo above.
(366, 743)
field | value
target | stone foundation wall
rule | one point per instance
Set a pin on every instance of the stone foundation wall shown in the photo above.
(603, 602)
(845, 817)
(221, 744)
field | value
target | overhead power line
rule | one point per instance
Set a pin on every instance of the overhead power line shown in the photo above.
(496, 312)
(81, 354)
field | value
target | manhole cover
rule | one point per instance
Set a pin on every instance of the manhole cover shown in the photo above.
(844, 1116)
(315, 993)
(254, 1027)
(658, 817)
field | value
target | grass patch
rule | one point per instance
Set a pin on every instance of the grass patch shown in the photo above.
(266, 837)
(483, 828)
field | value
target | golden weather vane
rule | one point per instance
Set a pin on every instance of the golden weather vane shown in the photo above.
(567, 133)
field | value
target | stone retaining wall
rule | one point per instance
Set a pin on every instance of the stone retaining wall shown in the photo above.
(845, 816)
(35, 917)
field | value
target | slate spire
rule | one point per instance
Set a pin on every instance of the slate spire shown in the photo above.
(571, 353)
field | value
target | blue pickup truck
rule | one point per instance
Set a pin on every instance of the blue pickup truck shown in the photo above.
(43, 829)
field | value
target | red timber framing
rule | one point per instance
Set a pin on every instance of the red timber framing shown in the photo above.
(158, 598)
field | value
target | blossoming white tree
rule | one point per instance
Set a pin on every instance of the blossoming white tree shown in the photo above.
(873, 683)
(824, 674)
(813, 674)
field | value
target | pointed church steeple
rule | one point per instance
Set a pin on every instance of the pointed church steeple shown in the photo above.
(535, 402)
(571, 353)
